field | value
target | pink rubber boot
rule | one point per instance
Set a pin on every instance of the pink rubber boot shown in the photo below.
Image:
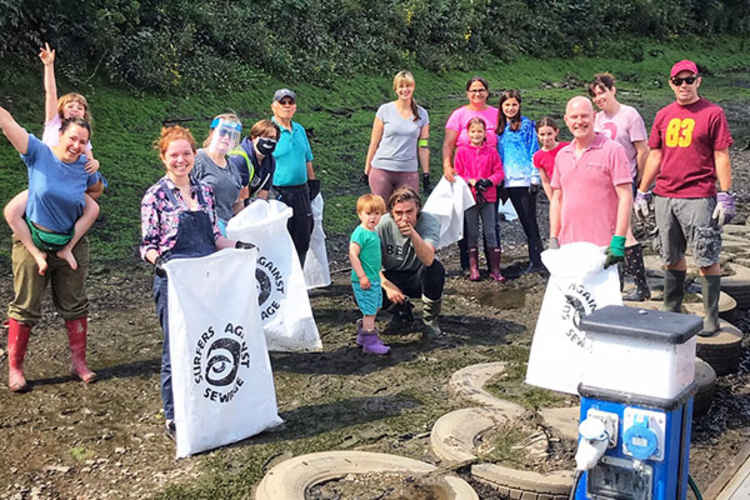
(77, 330)
(18, 339)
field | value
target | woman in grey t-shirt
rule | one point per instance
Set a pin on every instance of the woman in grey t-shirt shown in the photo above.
(213, 168)
(398, 144)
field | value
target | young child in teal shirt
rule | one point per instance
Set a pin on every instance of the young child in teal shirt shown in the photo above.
(366, 259)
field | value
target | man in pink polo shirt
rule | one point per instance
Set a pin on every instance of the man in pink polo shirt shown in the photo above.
(689, 144)
(591, 187)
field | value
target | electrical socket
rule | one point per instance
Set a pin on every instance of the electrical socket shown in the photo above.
(611, 423)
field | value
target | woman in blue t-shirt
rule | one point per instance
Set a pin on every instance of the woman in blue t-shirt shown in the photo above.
(57, 183)
(398, 143)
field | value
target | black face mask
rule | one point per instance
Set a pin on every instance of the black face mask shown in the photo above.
(266, 146)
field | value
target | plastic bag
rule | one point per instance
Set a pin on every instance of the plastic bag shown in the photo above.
(316, 269)
(578, 285)
(448, 202)
(282, 294)
(507, 210)
(221, 375)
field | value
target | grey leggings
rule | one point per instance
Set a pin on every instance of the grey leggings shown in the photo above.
(488, 213)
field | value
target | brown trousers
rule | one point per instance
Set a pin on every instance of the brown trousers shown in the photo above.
(68, 290)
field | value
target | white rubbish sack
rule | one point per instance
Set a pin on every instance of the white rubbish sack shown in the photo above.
(221, 375)
(316, 269)
(578, 285)
(507, 210)
(282, 294)
(448, 202)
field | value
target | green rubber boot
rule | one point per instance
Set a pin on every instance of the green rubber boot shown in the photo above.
(430, 316)
(674, 290)
(710, 292)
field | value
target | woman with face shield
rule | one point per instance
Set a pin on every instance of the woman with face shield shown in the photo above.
(212, 167)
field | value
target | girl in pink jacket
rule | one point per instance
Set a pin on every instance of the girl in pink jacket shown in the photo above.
(479, 165)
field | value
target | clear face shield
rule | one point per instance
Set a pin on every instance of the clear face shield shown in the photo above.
(225, 137)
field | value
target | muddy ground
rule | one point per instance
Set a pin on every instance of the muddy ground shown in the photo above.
(68, 440)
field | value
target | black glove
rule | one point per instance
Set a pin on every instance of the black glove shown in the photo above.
(159, 267)
(483, 185)
(425, 182)
(480, 199)
(533, 189)
(313, 186)
(243, 245)
(502, 192)
(363, 179)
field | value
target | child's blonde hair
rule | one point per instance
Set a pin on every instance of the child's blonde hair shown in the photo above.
(369, 202)
(61, 102)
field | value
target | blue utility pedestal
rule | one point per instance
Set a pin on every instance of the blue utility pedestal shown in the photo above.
(640, 381)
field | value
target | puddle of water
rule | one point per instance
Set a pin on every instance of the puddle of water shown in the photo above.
(502, 299)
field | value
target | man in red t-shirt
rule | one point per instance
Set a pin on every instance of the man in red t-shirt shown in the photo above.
(689, 144)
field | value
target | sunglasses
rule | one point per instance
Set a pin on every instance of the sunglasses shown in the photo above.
(677, 81)
(286, 102)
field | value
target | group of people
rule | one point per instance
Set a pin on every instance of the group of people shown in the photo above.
(590, 183)
(498, 152)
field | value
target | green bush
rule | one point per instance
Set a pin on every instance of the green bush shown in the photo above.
(189, 45)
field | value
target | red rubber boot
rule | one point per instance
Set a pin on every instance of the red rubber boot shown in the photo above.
(495, 273)
(18, 339)
(474, 264)
(77, 331)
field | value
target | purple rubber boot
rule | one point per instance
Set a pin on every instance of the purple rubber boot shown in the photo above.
(359, 332)
(372, 344)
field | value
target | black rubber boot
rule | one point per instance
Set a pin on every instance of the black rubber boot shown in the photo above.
(401, 318)
(674, 290)
(710, 292)
(635, 267)
(463, 254)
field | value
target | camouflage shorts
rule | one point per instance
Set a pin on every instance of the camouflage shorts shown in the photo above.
(687, 221)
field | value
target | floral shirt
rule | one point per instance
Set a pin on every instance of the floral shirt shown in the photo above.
(160, 217)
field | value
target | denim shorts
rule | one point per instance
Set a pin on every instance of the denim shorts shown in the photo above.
(370, 300)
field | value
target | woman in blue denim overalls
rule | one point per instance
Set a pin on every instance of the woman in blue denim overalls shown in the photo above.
(178, 220)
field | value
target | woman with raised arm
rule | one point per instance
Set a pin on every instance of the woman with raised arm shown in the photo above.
(58, 182)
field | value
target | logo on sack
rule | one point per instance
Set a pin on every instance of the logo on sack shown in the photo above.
(578, 302)
(219, 362)
(271, 284)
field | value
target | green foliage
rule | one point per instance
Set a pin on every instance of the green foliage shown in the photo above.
(189, 46)
(339, 119)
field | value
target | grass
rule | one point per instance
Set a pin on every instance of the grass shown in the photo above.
(339, 120)
(81, 454)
